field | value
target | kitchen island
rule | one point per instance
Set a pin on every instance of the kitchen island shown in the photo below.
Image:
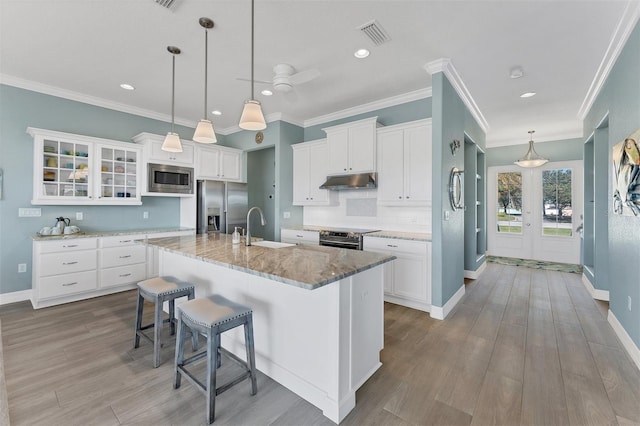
(317, 311)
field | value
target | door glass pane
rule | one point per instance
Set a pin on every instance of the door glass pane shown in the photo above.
(557, 213)
(509, 208)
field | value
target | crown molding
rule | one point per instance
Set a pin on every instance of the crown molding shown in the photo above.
(445, 66)
(371, 106)
(551, 138)
(91, 100)
(269, 118)
(626, 25)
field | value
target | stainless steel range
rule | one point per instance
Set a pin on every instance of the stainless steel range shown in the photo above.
(343, 237)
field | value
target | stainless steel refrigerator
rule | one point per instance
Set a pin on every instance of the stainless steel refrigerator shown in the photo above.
(221, 206)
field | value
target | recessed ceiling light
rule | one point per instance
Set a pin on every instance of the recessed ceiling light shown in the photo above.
(516, 72)
(126, 86)
(528, 94)
(267, 92)
(361, 53)
(216, 112)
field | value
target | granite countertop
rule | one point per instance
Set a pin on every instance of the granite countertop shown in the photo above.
(97, 234)
(303, 266)
(399, 235)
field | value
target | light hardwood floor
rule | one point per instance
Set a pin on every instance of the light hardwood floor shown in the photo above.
(525, 346)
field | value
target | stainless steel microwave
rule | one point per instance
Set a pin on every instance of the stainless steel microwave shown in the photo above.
(169, 179)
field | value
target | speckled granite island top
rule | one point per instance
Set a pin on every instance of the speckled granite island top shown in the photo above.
(304, 266)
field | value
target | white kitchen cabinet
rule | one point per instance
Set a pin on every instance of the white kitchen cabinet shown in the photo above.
(351, 147)
(122, 260)
(309, 172)
(153, 152)
(218, 163)
(405, 164)
(152, 252)
(299, 236)
(74, 169)
(408, 278)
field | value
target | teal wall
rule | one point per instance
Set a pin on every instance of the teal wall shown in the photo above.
(561, 150)
(20, 109)
(280, 135)
(261, 178)
(620, 99)
(403, 113)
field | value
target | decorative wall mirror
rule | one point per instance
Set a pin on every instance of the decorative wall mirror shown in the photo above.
(455, 188)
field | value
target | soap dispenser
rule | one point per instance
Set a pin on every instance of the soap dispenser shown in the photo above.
(235, 237)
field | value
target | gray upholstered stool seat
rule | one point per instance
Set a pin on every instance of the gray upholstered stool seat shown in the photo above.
(159, 290)
(212, 316)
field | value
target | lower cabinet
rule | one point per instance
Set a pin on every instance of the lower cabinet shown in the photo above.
(408, 278)
(299, 237)
(79, 268)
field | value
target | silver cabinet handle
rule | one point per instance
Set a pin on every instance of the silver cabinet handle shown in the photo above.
(125, 241)
(69, 263)
(68, 284)
(299, 236)
(124, 275)
(125, 256)
(391, 245)
(400, 197)
(70, 245)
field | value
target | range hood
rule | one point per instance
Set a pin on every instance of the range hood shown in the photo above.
(357, 181)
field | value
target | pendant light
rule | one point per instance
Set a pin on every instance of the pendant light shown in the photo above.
(172, 141)
(252, 117)
(204, 132)
(531, 158)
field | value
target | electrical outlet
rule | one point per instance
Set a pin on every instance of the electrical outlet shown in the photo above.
(446, 215)
(629, 302)
(145, 215)
(22, 267)
(286, 215)
(79, 216)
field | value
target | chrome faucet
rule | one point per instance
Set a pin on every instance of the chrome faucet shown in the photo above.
(262, 222)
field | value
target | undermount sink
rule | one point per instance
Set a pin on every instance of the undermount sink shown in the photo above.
(272, 244)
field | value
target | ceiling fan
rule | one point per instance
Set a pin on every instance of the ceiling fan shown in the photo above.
(285, 77)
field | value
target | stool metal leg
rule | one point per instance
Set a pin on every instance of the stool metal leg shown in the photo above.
(213, 338)
(157, 331)
(251, 359)
(139, 305)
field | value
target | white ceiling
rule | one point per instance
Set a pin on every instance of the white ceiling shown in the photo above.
(89, 47)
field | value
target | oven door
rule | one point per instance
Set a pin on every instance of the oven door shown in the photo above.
(341, 243)
(164, 178)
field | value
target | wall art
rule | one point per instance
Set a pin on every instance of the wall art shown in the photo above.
(626, 176)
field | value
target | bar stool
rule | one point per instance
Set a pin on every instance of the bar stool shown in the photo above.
(159, 290)
(212, 316)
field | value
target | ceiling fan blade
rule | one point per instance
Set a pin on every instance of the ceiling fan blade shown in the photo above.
(255, 81)
(304, 76)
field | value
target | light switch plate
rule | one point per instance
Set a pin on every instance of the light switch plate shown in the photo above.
(286, 215)
(29, 212)
(79, 216)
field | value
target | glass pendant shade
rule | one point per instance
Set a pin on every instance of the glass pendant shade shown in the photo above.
(204, 132)
(172, 143)
(531, 158)
(252, 118)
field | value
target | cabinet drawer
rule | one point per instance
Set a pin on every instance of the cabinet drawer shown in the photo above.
(112, 277)
(119, 241)
(67, 245)
(64, 263)
(393, 245)
(120, 256)
(300, 237)
(62, 285)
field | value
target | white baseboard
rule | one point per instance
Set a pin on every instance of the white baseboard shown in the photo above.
(441, 313)
(627, 342)
(13, 297)
(594, 292)
(473, 275)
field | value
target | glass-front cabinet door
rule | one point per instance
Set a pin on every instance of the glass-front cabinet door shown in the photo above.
(119, 173)
(65, 170)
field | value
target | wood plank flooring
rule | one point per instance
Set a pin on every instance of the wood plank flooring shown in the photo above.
(525, 346)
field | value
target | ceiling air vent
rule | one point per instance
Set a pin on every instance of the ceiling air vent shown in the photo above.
(374, 31)
(166, 3)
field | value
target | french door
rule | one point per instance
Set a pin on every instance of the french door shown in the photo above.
(534, 213)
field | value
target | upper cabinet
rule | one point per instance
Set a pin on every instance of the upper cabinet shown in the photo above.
(309, 172)
(73, 169)
(404, 164)
(153, 152)
(218, 162)
(351, 147)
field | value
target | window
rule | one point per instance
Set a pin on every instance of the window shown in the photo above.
(557, 213)
(509, 208)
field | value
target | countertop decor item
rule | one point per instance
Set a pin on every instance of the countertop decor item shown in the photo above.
(172, 140)
(252, 117)
(531, 158)
(204, 131)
